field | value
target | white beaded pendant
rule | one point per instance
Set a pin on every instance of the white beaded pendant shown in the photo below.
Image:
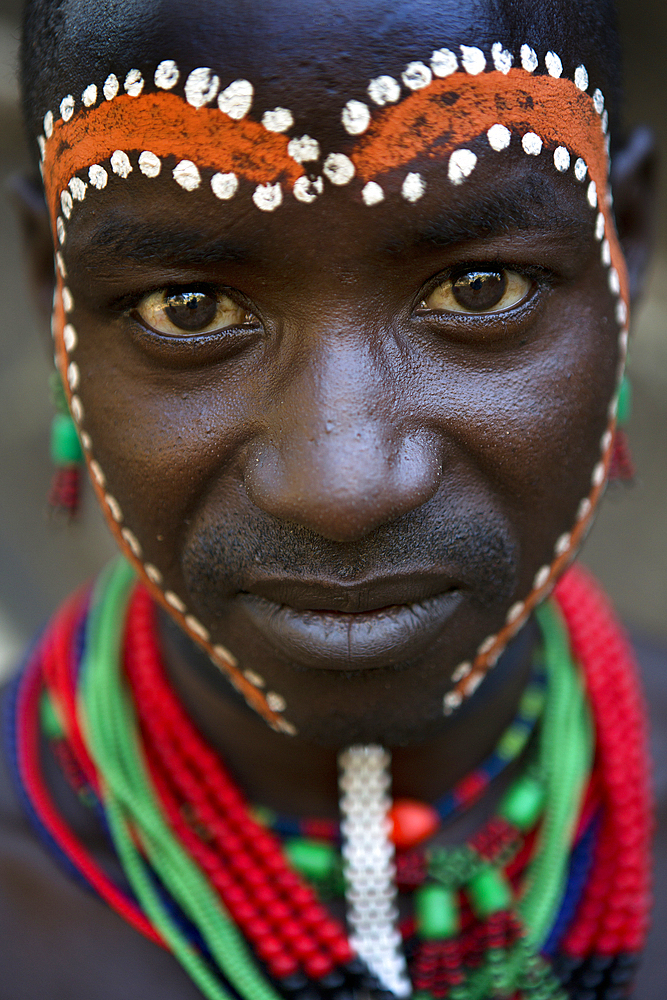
(368, 865)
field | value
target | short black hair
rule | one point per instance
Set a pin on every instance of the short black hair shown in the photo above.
(590, 27)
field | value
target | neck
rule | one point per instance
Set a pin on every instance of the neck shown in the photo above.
(298, 777)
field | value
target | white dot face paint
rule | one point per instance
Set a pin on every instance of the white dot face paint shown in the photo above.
(89, 95)
(581, 78)
(473, 59)
(69, 337)
(554, 65)
(621, 313)
(304, 150)
(462, 671)
(592, 194)
(561, 159)
(68, 304)
(413, 187)
(605, 253)
(584, 509)
(372, 194)
(275, 701)
(541, 577)
(307, 190)
(451, 701)
(487, 645)
(111, 86)
(97, 176)
(186, 174)
(201, 87)
(598, 474)
(278, 120)
(254, 678)
(502, 58)
(355, 117)
(529, 60)
(338, 169)
(598, 100)
(267, 197)
(78, 188)
(66, 204)
(197, 627)
(499, 137)
(67, 108)
(515, 612)
(224, 186)
(562, 544)
(444, 62)
(599, 226)
(149, 164)
(132, 541)
(48, 124)
(580, 169)
(614, 281)
(153, 573)
(235, 100)
(60, 264)
(97, 473)
(166, 75)
(76, 407)
(120, 163)
(174, 601)
(604, 121)
(41, 142)
(416, 75)
(461, 165)
(134, 83)
(384, 90)
(86, 441)
(532, 144)
(60, 231)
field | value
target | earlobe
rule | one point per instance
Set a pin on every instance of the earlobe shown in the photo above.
(27, 196)
(634, 182)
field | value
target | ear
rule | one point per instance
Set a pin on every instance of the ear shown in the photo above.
(634, 181)
(27, 195)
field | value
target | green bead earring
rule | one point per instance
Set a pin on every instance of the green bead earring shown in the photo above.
(66, 455)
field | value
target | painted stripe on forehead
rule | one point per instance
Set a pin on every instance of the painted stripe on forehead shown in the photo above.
(166, 125)
(459, 108)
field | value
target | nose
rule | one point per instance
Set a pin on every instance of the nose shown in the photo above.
(341, 452)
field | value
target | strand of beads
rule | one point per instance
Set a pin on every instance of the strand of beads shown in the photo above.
(368, 864)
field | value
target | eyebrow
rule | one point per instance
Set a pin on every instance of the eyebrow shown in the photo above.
(124, 238)
(530, 203)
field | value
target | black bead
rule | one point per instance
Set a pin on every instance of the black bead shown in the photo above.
(616, 993)
(308, 993)
(344, 995)
(590, 978)
(600, 963)
(355, 967)
(334, 981)
(581, 993)
(622, 975)
(627, 960)
(290, 984)
(564, 967)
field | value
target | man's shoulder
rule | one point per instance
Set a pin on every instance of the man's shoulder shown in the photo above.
(59, 941)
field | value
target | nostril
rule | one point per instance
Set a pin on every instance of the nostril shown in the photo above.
(343, 486)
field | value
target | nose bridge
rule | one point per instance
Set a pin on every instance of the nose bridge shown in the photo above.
(338, 453)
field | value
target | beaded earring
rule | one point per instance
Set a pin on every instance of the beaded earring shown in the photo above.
(66, 455)
(622, 468)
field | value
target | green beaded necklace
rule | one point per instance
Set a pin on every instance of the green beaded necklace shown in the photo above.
(146, 846)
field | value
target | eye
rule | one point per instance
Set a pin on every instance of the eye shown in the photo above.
(191, 311)
(479, 291)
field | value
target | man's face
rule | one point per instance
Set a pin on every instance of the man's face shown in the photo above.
(349, 432)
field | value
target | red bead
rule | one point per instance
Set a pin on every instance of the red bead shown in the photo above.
(341, 951)
(318, 966)
(282, 965)
(412, 822)
(304, 946)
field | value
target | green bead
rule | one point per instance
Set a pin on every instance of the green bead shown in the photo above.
(489, 892)
(436, 912)
(522, 804)
(513, 741)
(49, 718)
(624, 410)
(313, 858)
(65, 446)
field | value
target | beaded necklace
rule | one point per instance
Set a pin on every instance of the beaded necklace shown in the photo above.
(206, 878)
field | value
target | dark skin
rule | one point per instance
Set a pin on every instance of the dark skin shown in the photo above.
(343, 449)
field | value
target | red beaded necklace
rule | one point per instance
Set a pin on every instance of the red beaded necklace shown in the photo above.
(277, 911)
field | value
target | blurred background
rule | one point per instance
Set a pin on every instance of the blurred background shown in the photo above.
(41, 562)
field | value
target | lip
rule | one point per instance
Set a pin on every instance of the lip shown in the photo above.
(351, 640)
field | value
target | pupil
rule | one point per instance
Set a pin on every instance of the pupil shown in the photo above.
(480, 290)
(191, 310)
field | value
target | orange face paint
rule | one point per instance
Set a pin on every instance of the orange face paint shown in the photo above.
(431, 125)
